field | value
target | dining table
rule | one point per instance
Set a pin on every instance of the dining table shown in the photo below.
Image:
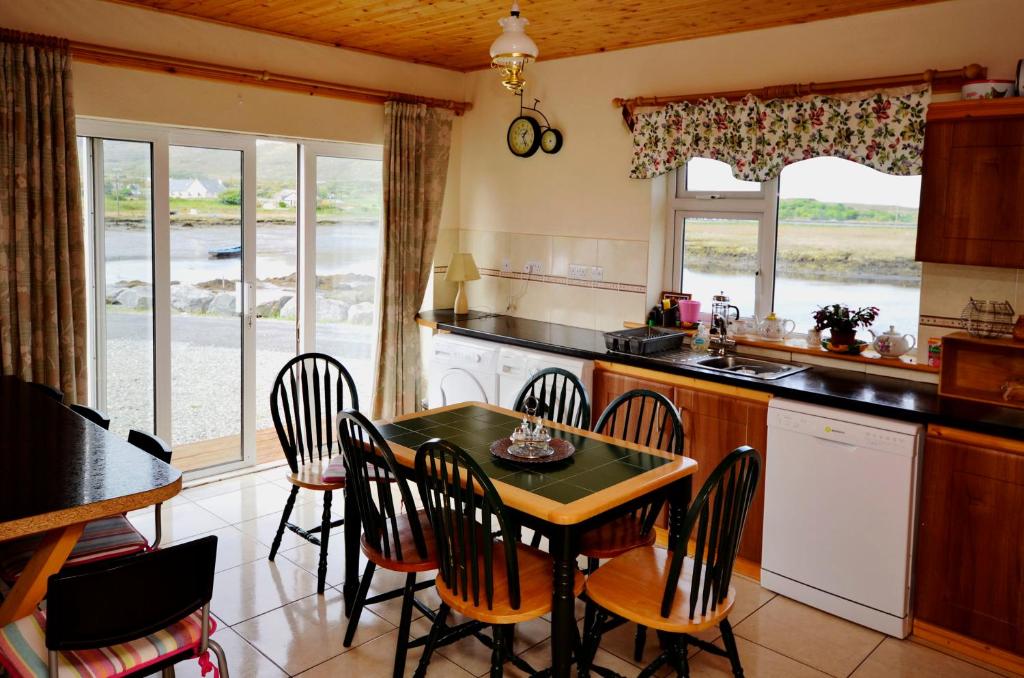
(603, 480)
(58, 471)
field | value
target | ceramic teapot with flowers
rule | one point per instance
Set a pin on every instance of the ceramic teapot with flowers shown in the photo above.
(892, 344)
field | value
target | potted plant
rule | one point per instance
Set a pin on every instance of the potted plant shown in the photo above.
(842, 322)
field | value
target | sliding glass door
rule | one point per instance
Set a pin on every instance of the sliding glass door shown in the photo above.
(216, 257)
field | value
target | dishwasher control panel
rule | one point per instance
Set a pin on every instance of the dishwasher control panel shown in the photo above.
(842, 432)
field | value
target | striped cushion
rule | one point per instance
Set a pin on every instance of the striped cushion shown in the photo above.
(101, 539)
(23, 649)
(335, 471)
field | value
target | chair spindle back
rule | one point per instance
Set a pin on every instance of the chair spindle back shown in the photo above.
(371, 474)
(453, 487)
(643, 417)
(309, 392)
(562, 397)
(715, 521)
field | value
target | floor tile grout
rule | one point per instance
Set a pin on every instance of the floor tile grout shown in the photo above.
(867, 656)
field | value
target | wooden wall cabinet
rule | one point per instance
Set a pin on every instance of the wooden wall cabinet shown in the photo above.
(972, 188)
(714, 424)
(969, 573)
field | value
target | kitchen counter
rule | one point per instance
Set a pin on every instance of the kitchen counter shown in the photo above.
(844, 389)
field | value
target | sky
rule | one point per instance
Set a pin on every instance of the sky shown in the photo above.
(824, 179)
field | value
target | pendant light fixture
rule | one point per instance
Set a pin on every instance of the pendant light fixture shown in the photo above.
(513, 50)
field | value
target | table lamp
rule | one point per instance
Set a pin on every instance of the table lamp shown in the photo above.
(460, 269)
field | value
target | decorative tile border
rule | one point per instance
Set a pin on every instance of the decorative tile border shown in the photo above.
(556, 280)
(946, 322)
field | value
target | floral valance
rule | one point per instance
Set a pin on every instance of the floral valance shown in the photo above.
(883, 130)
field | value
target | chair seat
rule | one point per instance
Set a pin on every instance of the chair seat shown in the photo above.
(23, 650)
(101, 539)
(326, 475)
(614, 586)
(535, 589)
(615, 538)
(411, 559)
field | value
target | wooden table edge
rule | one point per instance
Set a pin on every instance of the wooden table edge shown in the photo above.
(55, 520)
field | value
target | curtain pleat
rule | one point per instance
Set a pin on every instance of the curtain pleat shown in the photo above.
(417, 141)
(42, 240)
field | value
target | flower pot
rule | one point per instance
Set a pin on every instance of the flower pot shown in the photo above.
(843, 337)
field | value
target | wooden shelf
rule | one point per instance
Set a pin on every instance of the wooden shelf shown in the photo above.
(976, 108)
(976, 369)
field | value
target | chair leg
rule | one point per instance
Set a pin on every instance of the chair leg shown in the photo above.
(222, 660)
(591, 640)
(677, 655)
(730, 647)
(285, 515)
(359, 602)
(535, 541)
(325, 536)
(404, 624)
(639, 642)
(592, 565)
(435, 634)
(500, 636)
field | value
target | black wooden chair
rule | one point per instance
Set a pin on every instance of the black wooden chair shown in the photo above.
(642, 417)
(130, 616)
(392, 539)
(48, 390)
(561, 396)
(309, 392)
(103, 538)
(693, 593)
(95, 416)
(498, 582)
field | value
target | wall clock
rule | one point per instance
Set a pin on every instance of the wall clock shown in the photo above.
(524, 136)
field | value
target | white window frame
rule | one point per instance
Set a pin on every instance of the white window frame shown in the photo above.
(761, 206)
(161, 138)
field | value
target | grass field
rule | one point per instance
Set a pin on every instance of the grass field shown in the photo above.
(137, 209)
(826, 250)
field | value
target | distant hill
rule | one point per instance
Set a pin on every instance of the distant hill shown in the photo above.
(807, 209)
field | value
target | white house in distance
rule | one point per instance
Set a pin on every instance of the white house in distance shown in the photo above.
(195, 187)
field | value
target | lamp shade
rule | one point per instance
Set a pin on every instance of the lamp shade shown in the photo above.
(513, 41)
(462, 268)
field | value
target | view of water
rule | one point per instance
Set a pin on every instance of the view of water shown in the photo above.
(797, 299)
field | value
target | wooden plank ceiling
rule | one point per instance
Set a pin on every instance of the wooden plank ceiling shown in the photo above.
(457, 33)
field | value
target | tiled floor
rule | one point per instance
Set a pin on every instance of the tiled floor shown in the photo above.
(272, 622)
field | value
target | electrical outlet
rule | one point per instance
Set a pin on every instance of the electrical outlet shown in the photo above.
(578, 271)
(596, 273)
(533, 267)
(506, 266)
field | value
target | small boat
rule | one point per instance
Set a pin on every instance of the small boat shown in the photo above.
(226, 252)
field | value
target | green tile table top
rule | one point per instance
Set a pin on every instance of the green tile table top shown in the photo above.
(596, 466)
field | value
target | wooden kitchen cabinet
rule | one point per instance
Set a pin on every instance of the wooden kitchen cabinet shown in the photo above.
(969, 572)
(972, 188)
(715, 422)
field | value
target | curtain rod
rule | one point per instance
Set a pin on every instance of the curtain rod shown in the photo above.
(941, 81)
(111, 56)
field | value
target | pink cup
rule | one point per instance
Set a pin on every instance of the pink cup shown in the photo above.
(689, 310)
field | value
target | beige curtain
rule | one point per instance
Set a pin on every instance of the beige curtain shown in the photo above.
(42, 243)
(417, 139)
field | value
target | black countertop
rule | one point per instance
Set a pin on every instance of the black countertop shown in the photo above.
(845, 389)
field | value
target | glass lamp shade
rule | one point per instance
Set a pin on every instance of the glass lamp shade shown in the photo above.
(461, 267)
(513, 50)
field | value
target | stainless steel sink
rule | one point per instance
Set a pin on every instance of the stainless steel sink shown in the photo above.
(749, 367)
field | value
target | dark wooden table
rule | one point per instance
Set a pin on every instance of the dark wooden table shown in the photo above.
(58, 471)
(603, 480)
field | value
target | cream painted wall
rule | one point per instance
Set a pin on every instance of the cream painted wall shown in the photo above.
(583, 193)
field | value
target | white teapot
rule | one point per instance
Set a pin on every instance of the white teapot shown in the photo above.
(892, 344)
(774, 328)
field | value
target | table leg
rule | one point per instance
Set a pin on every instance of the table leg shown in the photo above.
(564, 549)
(678, 503)
(30, 588)
(353, 526)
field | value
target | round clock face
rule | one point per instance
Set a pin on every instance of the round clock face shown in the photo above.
(551, 140)
(524, 136)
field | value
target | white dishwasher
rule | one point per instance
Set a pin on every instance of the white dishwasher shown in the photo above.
(839, 513)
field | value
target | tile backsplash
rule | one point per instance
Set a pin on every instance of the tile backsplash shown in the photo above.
(551, 294)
